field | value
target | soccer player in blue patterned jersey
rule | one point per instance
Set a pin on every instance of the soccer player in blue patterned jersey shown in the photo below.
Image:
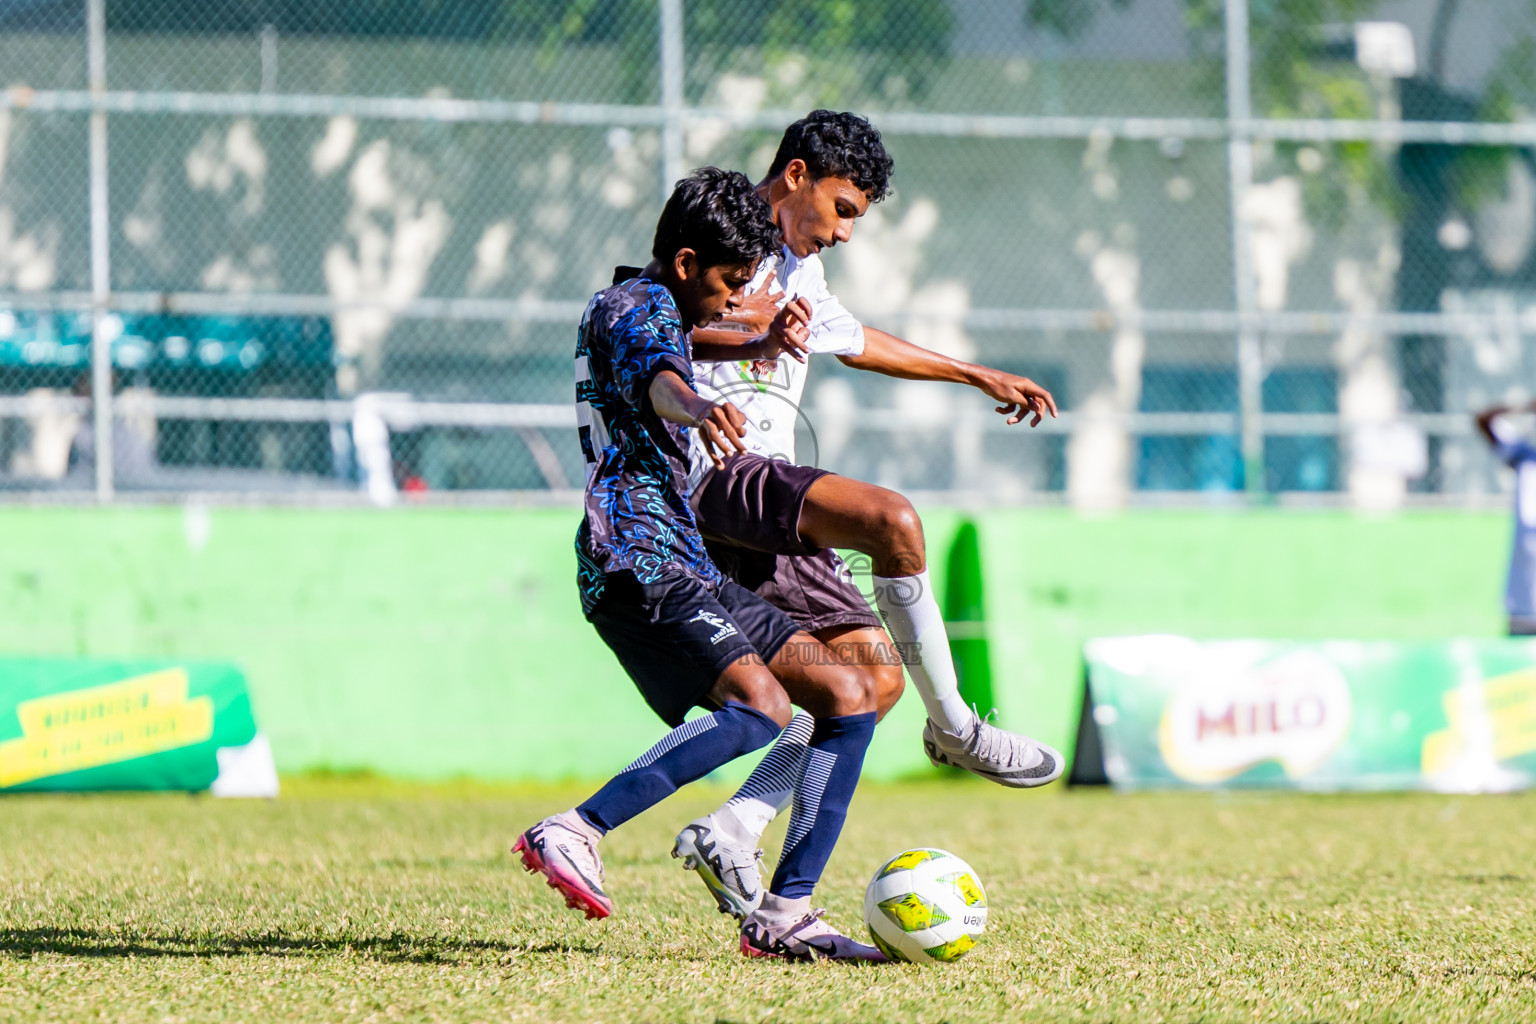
(685, 634)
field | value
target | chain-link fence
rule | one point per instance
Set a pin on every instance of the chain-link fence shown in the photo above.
(271, 248)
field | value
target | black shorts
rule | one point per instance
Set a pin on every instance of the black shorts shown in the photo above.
(749, 513)
(674, 638)
(755, 502)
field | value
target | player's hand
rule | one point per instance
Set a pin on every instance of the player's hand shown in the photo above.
(1021, 398)
(790, 330)
(757, 309)
(720, 427)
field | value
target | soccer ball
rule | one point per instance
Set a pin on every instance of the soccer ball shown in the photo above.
(925, 905)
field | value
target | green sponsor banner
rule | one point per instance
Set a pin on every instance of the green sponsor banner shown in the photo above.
(1455, 716)
(93, 725)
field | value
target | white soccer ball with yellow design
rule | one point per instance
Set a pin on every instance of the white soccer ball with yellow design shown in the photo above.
(925, 905)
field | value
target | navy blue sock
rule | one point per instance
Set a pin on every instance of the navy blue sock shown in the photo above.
(691, 751)
(832, 766)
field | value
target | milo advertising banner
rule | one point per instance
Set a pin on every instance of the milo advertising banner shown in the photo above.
(93, 725)
(1457, 716)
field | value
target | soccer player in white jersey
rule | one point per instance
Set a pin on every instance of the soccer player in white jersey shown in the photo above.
(773, 525)
(1520, 455)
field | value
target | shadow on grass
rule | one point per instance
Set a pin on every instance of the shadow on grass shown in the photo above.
(394, 948)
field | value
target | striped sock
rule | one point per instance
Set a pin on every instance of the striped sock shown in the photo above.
(771, 786)
(689, 752)
(834, 759)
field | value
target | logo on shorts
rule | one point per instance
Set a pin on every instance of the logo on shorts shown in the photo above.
(723, 628)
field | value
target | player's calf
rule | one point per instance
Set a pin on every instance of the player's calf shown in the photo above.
(563, 847)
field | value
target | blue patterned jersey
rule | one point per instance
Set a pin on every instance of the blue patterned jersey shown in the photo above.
(637, 515)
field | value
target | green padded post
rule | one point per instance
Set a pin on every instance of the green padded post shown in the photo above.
(966, 619)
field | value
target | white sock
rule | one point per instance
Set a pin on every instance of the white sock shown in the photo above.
(573, 819)
(780, 906)
(771, 786)
(914, 621)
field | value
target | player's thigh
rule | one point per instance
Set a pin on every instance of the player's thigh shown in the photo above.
(869, 649)
(840, 512)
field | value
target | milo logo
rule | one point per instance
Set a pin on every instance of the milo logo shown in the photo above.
(1294, 710)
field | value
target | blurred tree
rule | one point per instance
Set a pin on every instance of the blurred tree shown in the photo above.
(911, 37)
(1303, 66)
(1301, 71)
(1288, 80)
(1066, 18)
(821, 39)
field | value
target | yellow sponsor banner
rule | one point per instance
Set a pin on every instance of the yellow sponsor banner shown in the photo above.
(1502, 710)
(1512, 704)
(99, 725)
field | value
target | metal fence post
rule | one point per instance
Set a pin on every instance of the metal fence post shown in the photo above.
(671, 95)
(1250, 364)
(101, 267)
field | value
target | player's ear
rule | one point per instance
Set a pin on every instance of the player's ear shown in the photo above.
(685, 264)
(796, 174)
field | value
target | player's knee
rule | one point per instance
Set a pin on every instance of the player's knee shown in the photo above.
(756, 687)
(854, 690)
(901, 534)
(773, 702)
(890, 682)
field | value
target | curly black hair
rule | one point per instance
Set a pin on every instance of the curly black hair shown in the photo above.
(720, 216)
(838, 146)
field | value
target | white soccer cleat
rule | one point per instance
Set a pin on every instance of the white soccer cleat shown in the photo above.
(801, 937)
(732, 871)
(563, 852)
(997, 755)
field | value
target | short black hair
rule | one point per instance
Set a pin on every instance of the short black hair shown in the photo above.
(720, 216)
(837, 145)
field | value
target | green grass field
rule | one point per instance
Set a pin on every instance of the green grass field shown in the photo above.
(368, 901)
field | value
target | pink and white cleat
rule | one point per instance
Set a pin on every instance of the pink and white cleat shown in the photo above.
(562, 849)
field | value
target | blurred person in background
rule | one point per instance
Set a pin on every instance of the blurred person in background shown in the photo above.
(134, 456)
(1520, 455)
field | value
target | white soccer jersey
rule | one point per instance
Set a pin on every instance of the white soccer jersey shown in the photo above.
(1520, 591)
(769, 392)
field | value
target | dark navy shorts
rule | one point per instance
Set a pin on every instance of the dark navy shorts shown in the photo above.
(674, 638)
(749, 514)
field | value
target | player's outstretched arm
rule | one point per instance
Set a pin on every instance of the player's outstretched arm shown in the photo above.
(738, 334)
(756, 311)
(719, 423)
(1485, 422)
(788, 331)
(1487, 416)
(1020, 397)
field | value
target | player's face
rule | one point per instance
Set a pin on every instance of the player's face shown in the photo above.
(708, 294)
(817, 213)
